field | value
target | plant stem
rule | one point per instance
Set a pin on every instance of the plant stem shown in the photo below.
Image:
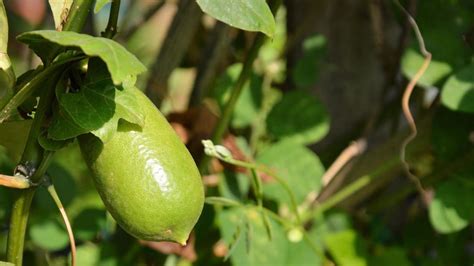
(111, 28)
(80, 9)
(38, 159)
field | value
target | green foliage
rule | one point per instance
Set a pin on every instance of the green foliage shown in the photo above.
(451, 209)
(347, 248)
(247, 15)
(458, 91)
(298, 167)
(268, 203)
(96, 107)
(120, 63)
(299, 117)
(261, 250)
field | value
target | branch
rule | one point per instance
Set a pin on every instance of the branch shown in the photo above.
(111, 28)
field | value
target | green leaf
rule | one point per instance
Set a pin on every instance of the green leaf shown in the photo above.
(4, 263)
(437, 70)
(48, 234)
(60, 10)
(451, 209)
(347, 248)
(7, 77)
(254, 15)
(120, 63)
(295, 164)
(278, 251)
(458, 91)
(306, 71)
(103, 254)
(299, 117)
(99, 4)
(96, 108)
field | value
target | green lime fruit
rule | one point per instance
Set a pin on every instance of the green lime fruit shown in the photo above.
(146, 177)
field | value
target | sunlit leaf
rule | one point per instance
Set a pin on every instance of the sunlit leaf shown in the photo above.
(248, 15)
(97, 107)
(120, 63)
(347, 248)
(458, 91)
(451, 209)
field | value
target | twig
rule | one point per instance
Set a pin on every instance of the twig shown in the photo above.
(406, 101)
(354, 149)
(111, 28)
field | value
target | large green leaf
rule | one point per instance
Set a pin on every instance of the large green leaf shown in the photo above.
(254, 15)
(347, 248)
(121, 63)
(451, 210)
(97, 107)
(279, 251)
(298, 166)
(299, 117)
(48, 234)
(7, 77)
(458, 91)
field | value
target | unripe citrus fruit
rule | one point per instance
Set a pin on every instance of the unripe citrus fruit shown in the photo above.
(146, 177)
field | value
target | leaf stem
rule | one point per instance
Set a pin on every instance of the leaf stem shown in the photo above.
(77, 17)
(55, 196)
(111, 28)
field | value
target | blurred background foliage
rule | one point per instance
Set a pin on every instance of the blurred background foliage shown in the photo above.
(333, 72)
